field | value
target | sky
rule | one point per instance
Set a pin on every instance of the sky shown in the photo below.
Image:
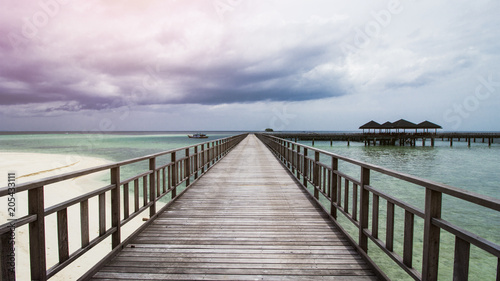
(316, 65)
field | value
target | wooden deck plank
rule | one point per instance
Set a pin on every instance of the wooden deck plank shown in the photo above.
(246, 219)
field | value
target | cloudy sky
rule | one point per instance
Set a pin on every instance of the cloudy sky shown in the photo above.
(246, 65)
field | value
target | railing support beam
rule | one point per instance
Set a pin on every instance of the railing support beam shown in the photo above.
(152, 187)
(316, 179)
(173, 175)
(430, 259)
(305, 168)
(115, 207)
(461, 263)
(333, 184)
(37, 235)
(187, 170)
(364, 205)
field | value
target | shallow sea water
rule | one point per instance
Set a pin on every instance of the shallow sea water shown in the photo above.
(475, 168)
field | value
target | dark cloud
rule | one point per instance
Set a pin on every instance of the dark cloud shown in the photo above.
(214, 78)
(186, 52)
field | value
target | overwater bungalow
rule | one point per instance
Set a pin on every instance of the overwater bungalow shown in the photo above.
(387, 127)
(404, 124)
(401, 124)
(426, 125)
(370, 125)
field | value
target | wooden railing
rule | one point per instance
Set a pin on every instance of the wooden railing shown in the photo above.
(158, 181)
(336, 186)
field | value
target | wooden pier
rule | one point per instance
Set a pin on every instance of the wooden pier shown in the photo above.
(398, 139)
(245, 220)
(231, 211)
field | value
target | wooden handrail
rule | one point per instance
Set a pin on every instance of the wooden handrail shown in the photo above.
(295, 157)
(70, 175)
(154, 181)
(466, 195)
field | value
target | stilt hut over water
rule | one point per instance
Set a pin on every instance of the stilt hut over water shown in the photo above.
(370, 125)
(426, 125)
(387, 127)
(403, 124)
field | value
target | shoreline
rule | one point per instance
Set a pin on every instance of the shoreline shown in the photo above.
(30, 167)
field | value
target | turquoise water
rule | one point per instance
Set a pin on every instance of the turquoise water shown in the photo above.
(476, 169)
(113, 147)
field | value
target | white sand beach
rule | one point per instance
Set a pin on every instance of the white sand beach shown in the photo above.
(34, 166)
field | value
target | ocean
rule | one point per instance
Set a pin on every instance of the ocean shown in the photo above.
(474, 168)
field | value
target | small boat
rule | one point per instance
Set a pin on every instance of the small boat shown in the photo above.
(198, 136)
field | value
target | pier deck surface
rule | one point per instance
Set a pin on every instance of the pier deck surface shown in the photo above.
(246, 219)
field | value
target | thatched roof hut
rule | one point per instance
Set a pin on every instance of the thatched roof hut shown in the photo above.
(387, 126)
(426, 125)
(370, 125)
(400, 124)
(404, 124)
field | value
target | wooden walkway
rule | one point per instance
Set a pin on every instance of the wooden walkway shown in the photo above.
(246, 219)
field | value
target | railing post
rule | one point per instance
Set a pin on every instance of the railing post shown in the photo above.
(38, 262)
(217, 151)
(211, 153)
(202, 158)
(283, 151)
(288, 158)
(173, 175)
(430, 258)
(209, 160)
(8, 270)
(364, 208)
(333, 192)
(461, 263)
(196, 163)
(152, 187)
(62, 235)
(408, 238)
(187, 172)
(214, 152)
(316, 179)
(215, 148)
(298, 162)
(305, 168)
(115, 207)
(292, 151)
(221, 151)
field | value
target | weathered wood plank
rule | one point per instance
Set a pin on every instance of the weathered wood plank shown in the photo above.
(62, 235)
(233, 271)
(138, 276)
(245, 219)
(102, 214)
(84, 223)
(355, 264)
